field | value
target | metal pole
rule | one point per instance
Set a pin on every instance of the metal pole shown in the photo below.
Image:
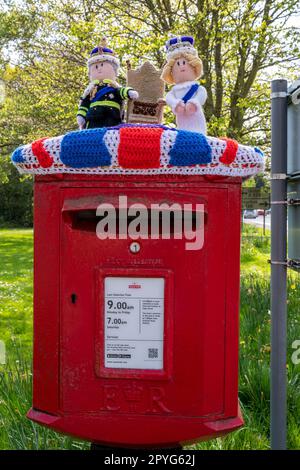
(278, 266)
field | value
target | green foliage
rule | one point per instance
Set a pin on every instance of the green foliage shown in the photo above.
(48, 43)
(44, 46)
(16, 198)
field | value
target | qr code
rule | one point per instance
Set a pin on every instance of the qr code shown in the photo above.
(152, 353)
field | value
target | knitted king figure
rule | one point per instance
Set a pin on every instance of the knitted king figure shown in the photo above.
(186, 97)
(102, 101)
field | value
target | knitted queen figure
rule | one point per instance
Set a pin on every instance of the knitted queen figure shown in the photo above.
(102, 101)
(186, 97)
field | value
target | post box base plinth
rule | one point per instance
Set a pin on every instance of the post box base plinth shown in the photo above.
(172, 432)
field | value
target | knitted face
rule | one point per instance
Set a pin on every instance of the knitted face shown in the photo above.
(182, 71)
(102, 70)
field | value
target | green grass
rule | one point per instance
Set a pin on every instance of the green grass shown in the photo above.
(255, 250)
(16, 258)
(17, 432)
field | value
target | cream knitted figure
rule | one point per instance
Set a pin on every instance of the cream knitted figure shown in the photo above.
(187, 97)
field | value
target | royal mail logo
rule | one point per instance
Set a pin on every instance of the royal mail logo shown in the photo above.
(134, 286)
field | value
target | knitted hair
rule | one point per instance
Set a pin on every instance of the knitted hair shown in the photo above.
(193, 60)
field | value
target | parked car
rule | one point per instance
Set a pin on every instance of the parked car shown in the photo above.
(260, 211)
(250, 214)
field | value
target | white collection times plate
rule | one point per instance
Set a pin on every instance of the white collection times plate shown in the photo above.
(134, 322)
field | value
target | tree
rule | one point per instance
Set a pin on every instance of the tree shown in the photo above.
(238, 40)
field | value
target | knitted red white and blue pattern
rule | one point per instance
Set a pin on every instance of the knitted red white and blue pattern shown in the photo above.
(138, 149)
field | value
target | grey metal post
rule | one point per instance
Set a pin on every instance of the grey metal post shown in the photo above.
(278, 266)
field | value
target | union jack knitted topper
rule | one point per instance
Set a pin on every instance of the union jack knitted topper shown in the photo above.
(138, 149)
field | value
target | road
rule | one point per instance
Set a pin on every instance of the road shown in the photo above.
(259, 221)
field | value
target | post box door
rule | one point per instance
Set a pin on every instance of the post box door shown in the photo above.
(187, 290)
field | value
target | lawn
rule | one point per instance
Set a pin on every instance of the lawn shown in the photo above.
(16, 432)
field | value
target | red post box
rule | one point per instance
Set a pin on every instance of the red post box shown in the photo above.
(135, 343)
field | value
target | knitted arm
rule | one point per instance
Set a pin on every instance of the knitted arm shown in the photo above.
(200, 97)
(124, 92)
(84, 106)
(172, 101)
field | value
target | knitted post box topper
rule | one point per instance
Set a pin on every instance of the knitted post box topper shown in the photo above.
(187, 97)
(138, 149)
(101, 102)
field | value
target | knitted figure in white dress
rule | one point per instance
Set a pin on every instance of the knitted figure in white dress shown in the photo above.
(186, 97)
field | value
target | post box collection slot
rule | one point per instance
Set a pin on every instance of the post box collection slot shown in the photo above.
(87, 220)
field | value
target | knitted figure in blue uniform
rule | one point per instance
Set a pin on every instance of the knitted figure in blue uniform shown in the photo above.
(102, 101)
(186, 97)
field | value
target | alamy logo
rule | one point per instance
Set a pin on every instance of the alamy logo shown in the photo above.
(157, 221)
(2, 353)
(2, 91)
(296, 354)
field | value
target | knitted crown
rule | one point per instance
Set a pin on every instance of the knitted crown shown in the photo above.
(180, 44)
(177, 46)
(102, 53)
